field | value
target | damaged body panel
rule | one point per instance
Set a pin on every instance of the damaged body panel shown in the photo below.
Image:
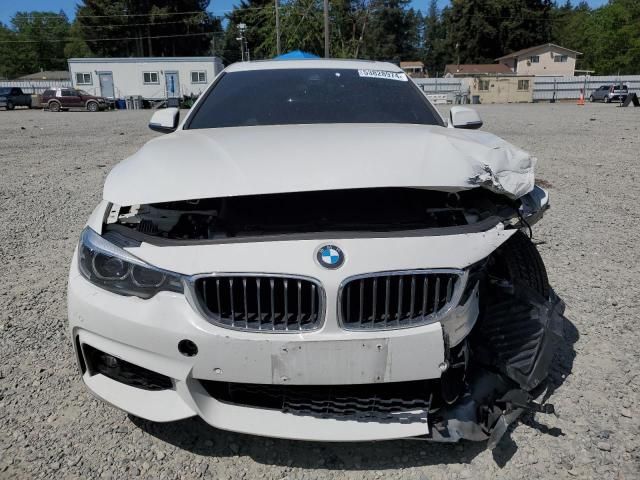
(320, 258)
(222, 164)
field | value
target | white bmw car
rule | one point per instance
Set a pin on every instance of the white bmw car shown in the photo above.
(315, 253)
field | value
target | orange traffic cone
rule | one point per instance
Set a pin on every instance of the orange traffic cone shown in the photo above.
(581, 99)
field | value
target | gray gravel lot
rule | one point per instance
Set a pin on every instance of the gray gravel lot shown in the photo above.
(52, 167)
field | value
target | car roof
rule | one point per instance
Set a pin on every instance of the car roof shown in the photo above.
(312, 63)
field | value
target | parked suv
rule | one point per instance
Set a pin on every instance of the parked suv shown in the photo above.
(12, 97)
(67, 98)
(608, 93)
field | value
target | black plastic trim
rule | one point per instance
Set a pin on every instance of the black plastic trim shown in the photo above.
(80, 355)
(125, 372)
(481, 226)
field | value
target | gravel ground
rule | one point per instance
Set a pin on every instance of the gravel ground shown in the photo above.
(52, 167)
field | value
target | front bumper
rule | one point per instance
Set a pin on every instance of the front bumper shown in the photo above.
(146, 333)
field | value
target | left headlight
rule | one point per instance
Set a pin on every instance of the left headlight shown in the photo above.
(113, 268)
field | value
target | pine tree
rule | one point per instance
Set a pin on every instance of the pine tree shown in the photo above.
(148, 27)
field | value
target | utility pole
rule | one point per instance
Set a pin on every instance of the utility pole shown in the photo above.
(241, 28)
(326, 28)
(277, 27)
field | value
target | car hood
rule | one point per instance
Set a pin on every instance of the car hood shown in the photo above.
(222, 162)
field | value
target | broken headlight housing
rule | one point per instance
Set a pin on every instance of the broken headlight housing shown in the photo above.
(113, 268)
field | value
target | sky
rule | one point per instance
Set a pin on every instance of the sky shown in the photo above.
(9, 7)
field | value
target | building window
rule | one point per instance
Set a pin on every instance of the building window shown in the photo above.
(150, 78)
(523, 85)
(83, 79)
(483, 85)
(534, 58)
(199, 77)
(560, 58)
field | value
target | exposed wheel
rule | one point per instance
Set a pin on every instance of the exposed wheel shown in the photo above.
(591, 98)
(10, 105)
(54, 106)
(518, 260)
(607, 100)
(92, 106)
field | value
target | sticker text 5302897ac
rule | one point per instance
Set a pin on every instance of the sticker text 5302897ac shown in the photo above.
(384, 74)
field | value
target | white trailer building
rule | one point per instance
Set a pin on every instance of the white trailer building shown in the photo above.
(153, 78)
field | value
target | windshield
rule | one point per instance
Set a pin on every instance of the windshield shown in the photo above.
(305, 96)
(5, 91)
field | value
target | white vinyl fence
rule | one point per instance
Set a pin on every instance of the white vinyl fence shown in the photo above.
(35, 86)
(441, 90)
(544, 88)
(568, 88)
(439, 85)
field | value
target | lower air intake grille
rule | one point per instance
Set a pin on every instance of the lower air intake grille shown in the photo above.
(399, 402)
(398, 299)
(99, 362)
(262, 303)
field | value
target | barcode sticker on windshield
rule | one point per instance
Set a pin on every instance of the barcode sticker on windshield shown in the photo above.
(384, 74)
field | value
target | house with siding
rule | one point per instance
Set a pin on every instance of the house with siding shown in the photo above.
(414, 69)
(548, 59)
(492, 82)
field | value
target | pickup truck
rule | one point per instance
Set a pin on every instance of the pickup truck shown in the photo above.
(11, 97)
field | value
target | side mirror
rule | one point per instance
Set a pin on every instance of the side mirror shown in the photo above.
(463, 117)
(165, 120)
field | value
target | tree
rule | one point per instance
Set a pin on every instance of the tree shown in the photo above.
(479, 31)
(259, 17)
(394, 32)
(435, 49)
(76, 47)
(40, 41)
(7, 57)
(350, 23)
(612, 38)
(466, 31)
(382, 29)
(608, 37)
(147, 27)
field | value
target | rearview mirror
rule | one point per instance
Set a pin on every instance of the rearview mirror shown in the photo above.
(165, 120)
(463, 117)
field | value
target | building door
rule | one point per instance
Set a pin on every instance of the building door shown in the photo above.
(173, 84)
(106, 84)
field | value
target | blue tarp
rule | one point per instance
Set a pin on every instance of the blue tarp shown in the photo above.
(296, 55)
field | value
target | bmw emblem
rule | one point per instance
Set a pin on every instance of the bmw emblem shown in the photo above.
(330, 256)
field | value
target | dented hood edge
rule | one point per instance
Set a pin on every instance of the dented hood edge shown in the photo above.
(223, 162)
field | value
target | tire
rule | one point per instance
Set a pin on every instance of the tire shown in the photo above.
(10, 105)
(591, 98)
(54, 106)
(92, 106)
(518, 260)
(607, 100)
